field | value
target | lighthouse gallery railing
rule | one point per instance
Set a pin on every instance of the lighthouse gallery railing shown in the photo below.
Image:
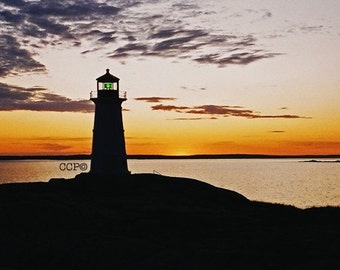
(94, 94)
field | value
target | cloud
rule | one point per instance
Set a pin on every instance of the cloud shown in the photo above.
(40, 23)
(190, 44)
(39, 99)
(193, 118)
(193, 89)
(328, 147)
(53, 146)
(56, 139)
(179, 41)
(131, 47)
(288, 116)
(221, 110)
(311, 29)
(57, 143)
(236, 58)
(182, 6)
(277, 131)
(11, 17)
(164, 43)
(89, 51)
(162, 107)
(15, 59)
(50, 26)
(154, 99)
(307, 29)
(71, 10)
(121, 29)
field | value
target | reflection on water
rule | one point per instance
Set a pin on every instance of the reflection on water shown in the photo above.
(40, 170)
(303, 184)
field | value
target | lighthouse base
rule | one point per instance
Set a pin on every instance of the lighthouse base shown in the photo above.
(109, 166)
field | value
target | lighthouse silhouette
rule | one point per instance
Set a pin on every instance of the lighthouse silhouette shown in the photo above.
(108, 143)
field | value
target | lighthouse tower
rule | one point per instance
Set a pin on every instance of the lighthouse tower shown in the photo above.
(108, 144)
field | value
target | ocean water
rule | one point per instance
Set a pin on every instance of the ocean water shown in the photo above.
(285, 181)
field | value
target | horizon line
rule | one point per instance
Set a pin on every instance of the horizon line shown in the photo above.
(160, 156)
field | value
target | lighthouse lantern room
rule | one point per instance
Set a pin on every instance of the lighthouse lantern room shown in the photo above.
(108, 143)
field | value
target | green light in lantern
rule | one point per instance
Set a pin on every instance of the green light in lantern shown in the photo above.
(108, 85)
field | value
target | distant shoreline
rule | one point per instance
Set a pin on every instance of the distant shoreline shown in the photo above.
(207, 156)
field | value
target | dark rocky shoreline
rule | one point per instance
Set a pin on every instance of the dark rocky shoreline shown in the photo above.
(148, 221)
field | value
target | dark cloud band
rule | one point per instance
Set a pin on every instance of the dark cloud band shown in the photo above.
(39, 99)
(14, 59)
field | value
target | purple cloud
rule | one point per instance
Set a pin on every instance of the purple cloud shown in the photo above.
(221, 110)
(39, 99)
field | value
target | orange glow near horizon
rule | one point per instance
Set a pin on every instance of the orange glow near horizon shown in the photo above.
(72, 146)
(71, 133)
(36, 133)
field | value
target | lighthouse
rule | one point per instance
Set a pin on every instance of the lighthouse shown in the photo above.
(108, 143)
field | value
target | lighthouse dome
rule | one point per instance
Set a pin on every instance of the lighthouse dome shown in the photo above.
(107, 77)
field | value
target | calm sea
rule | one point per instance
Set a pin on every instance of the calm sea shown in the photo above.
(285, 181)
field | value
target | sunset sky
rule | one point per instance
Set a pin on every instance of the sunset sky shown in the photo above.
(202, 77)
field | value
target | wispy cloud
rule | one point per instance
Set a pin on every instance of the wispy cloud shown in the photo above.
(39, 99)
(322, 145)
(221, 110)
(244, 58)
(193, 118)
(213, 111)
(61, 144)
(58, 139)
(162, 107)
(306, 29)
(53, 146)
(155, 99)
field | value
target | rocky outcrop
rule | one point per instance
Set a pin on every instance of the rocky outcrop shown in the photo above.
(149, 221)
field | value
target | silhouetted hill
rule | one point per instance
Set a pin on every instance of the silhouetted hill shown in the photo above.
(148, 221)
